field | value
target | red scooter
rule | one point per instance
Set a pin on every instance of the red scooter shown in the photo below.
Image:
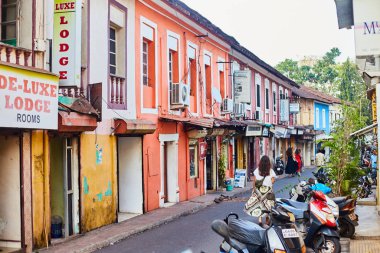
(316, 222)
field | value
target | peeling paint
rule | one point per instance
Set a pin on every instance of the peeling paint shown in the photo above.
(99, 154)
(108, 192)
(99, 196)
(85, 186)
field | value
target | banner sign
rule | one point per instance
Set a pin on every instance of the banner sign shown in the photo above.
(28, 99)
(240, 177)
(67, 42)
(284, 110)
(202, 150)
(367, 27)
(242, 86)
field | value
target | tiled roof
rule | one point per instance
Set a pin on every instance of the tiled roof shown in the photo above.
(201, 20)
(322, 95)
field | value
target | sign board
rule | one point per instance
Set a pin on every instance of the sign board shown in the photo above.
(253, 131)
(265, 132)
(373, 102)
(284, 110)
(367, 27)
(28, 99)
(240, 177)
(67, 42)
(294, 107)
(242, 86)
(202, 150)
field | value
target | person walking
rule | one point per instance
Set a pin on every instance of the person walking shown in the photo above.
(291, 163)
(320, 159)
(262, 190)
(298, 158)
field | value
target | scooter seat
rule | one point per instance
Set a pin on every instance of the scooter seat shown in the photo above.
(246, 232)
(298, 205)
(338, 200)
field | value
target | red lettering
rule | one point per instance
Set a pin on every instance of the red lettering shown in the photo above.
(28, 104)
(3, 82)
(35, 87)
(44, 89)
(63, 47)
(8, 105)
(62, 74)
(64, 61)
(53, 91)
(64, 34)
(12, 83)
(46, 106)
(26, 88)
(65, 6)
(63, 21)
(19, 103)
(38, 105)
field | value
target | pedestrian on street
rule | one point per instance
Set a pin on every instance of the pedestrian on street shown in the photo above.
(320, 159)
(291, 163)
(262, 192)
(298, 158)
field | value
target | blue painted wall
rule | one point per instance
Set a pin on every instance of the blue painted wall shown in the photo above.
(318, 109)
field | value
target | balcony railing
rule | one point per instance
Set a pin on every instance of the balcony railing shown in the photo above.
(116, 92)
(73, 92)
(15, 55)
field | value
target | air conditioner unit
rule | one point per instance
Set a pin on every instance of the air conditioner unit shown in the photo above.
(179, 96)
(227, 106)
(239, 109)
(258, 116)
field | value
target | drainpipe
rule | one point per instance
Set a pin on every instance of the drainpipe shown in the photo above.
(377, 65)
(33, 31)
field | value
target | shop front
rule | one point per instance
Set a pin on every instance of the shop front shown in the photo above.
(29, 101)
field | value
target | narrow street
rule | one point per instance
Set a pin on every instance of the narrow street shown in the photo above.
(193, 233)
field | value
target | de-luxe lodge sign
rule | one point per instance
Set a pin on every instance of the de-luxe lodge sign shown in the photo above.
(67, 42)
(28, 99)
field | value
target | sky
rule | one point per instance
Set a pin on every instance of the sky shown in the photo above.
(278, 29)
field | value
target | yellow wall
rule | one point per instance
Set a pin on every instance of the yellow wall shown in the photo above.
(98, 180)
(40, 186)
(306, 117)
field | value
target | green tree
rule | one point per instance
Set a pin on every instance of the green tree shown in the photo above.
(345, 155)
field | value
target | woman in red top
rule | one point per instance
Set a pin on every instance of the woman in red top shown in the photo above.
(297, 155)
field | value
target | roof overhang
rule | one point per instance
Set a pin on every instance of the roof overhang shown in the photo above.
(364, 130)
(76, 122)
(135, 126)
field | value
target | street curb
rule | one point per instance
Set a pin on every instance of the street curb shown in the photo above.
(117, 238)
(362, 237)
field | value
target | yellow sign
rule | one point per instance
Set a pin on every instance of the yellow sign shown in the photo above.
(373, 100)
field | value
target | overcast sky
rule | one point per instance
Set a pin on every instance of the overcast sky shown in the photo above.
(278, 29)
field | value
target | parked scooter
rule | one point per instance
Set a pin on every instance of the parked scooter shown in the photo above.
(245, 236)
(343, 207)
(316, 222)
(279, 166)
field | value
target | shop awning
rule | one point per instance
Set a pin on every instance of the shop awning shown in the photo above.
(76, 122)
(364, 130)
(134, 126)
(76, 115)
(199, 122)
(225, 123)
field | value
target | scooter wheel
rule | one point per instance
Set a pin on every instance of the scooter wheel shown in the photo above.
(332, 245)
(346, 229)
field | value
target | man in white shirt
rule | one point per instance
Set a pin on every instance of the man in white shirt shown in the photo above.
(320, 159)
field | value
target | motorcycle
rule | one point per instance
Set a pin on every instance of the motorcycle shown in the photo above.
(247, 237)
(316, 222)
(343, 208)
(322, 176)
(364, 188)
(279, 166)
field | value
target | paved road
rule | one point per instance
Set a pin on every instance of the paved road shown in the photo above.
(193, 234)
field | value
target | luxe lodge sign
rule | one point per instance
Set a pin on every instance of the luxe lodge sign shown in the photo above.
(28, 99)
(67, 42)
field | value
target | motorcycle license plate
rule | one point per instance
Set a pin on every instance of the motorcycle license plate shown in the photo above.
(289, 233)
(352, 216)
